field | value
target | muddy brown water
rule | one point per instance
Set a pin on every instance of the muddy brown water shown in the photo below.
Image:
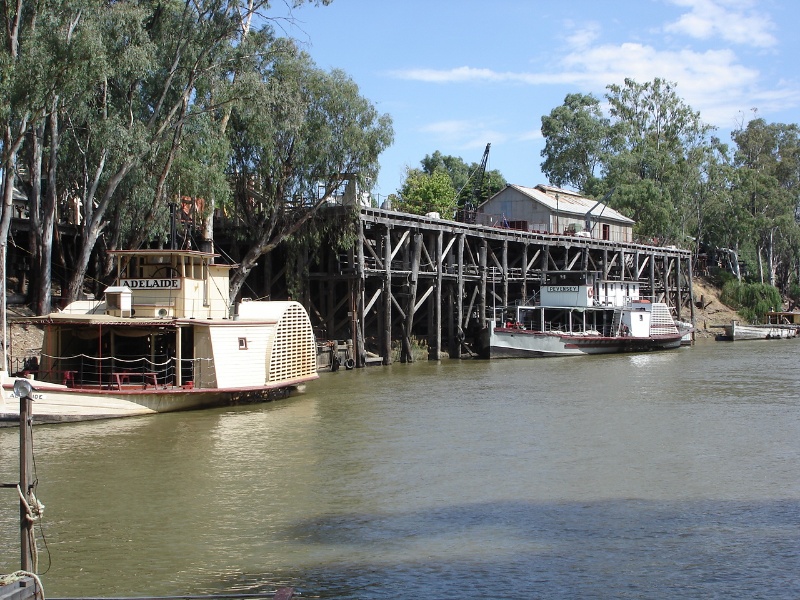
(663, 475)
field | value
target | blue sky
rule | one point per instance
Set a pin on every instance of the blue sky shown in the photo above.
(456, 75)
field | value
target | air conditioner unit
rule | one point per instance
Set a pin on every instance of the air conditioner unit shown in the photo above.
(148, 312)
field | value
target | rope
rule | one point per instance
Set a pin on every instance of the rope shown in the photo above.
(33, 511)
(19, 576)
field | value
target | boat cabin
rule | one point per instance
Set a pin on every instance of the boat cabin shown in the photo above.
(167, 322)
(176, 283)
(783, 318)
(585, 289)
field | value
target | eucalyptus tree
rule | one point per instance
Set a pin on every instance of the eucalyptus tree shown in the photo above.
(767, 185)
(463, 177)
(650, 149)
(77, 46)
(23, 96)
(657, 148)
(424, 192)
(576, 138)
(111, 93)
(145, 94)
(301, 133)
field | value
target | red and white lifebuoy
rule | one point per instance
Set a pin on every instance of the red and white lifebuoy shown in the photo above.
(590, 292)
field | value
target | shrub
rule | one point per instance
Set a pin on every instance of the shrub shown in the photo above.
(752, 300)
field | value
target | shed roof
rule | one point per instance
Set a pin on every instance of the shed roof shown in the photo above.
(569, 202)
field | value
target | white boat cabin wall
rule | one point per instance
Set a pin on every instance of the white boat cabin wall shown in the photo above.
(585, 290)
(183, 285)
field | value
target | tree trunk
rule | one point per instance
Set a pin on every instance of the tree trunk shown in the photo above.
(5, 225)
(239, 276)
(44, 294)
(94, 225)
(773, 266)
(35, 137)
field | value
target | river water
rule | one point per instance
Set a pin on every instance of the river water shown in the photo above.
(664, 475)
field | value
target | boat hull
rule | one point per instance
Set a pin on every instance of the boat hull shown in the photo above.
(517, 343)
(737, 332)
(60, 404)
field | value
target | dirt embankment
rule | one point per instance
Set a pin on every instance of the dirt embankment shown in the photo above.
(709, 311)
(26, 340)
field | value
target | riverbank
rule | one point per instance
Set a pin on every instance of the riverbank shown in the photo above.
(709, 311)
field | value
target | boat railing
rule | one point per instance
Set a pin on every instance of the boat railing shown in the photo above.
(81, 371)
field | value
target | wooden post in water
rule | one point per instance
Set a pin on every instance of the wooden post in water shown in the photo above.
(435, 340)
(678, 298)
(25, 451)
(691, 291)
(482, 265)
(459, 337)
(505, 274)
(361, 352)
(524, 285)
(416, 254)
(387, 297)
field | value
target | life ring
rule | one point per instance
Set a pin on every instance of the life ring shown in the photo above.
(349, 364)
(590, 292)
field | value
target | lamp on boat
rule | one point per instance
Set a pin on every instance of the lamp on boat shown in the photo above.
(22, 388)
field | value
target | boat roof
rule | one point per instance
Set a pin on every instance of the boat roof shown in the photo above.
(93, 320)
(163, 252)
(104, 320)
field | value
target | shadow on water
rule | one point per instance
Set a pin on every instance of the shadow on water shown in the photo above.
(604, 549)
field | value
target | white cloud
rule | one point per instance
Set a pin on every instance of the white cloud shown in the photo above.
(736, 21)
(464, 134)
(583, 37)
(455, 75)
(714, 82)
(532, 135)
(476, 75)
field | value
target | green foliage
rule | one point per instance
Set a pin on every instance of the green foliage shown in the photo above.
(575, 134)
(794, 292)
(419, 349)
(463, 178)
(142, 103)
(423, 193)
(300, 139)
(752, 300)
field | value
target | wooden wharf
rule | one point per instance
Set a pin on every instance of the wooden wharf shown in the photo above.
(413, 278)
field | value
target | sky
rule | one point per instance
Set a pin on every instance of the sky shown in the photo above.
(455, 75)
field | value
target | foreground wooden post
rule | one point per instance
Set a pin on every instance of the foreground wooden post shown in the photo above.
(23, 390)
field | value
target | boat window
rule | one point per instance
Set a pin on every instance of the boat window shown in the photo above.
(242, 343)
